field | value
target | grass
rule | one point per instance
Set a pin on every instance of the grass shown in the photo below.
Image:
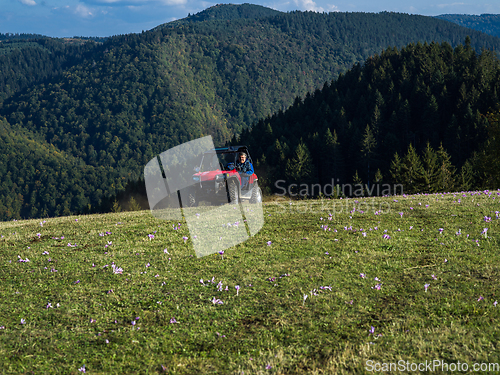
(76, 311)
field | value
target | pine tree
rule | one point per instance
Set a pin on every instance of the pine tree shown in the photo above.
(412, 171)
(299, 169)
(430, 169)
(377, 182)
(430, 120)
(489, 157)
(358, 189)
(466, 178)
(446, 173)
(396, 169)
(332, 160)
(133, 205)
(368, 150)
(116, 206)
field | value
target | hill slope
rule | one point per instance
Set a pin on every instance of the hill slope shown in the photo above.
(486, 23)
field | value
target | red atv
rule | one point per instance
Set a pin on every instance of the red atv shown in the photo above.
(217, 182)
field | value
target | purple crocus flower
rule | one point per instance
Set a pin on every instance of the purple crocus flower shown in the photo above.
(217, 301)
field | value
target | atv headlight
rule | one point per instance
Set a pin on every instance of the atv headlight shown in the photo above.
(196, 178)
(219, 177)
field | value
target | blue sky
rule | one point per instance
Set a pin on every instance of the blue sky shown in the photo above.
(67, 18)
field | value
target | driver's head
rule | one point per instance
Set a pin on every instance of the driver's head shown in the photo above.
(242, 157)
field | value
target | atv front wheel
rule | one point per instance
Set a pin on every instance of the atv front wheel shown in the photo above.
(256, 195)
(233, 193)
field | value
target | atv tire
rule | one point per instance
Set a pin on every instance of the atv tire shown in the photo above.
(256, 195)
(233, 193)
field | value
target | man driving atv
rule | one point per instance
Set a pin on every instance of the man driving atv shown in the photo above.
(244, 167)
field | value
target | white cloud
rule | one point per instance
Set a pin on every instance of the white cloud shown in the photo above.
(174, 2)
(449, 5)
(131, 2)
(309, 5)
(27, 2)
(83, 11)
(333, 8)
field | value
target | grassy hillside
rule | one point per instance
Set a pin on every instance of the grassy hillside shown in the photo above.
(332, 286)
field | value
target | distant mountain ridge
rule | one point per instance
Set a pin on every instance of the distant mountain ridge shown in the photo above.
(486, 23)
(227, 12)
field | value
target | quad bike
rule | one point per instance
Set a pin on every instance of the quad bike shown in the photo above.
(217, 182)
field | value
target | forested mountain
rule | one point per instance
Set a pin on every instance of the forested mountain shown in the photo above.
(402, 117)
(486, 23)
(111, 106)
(227, 12)
(27, 60)
(34, 171)
(12, 36)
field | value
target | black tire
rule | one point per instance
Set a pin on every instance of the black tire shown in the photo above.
(256, 194)
(233, 192)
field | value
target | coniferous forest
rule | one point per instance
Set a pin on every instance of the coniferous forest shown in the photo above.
(79, 118)
(424, 116)
(486, 23)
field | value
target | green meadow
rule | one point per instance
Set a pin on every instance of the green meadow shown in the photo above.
(325, 287)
